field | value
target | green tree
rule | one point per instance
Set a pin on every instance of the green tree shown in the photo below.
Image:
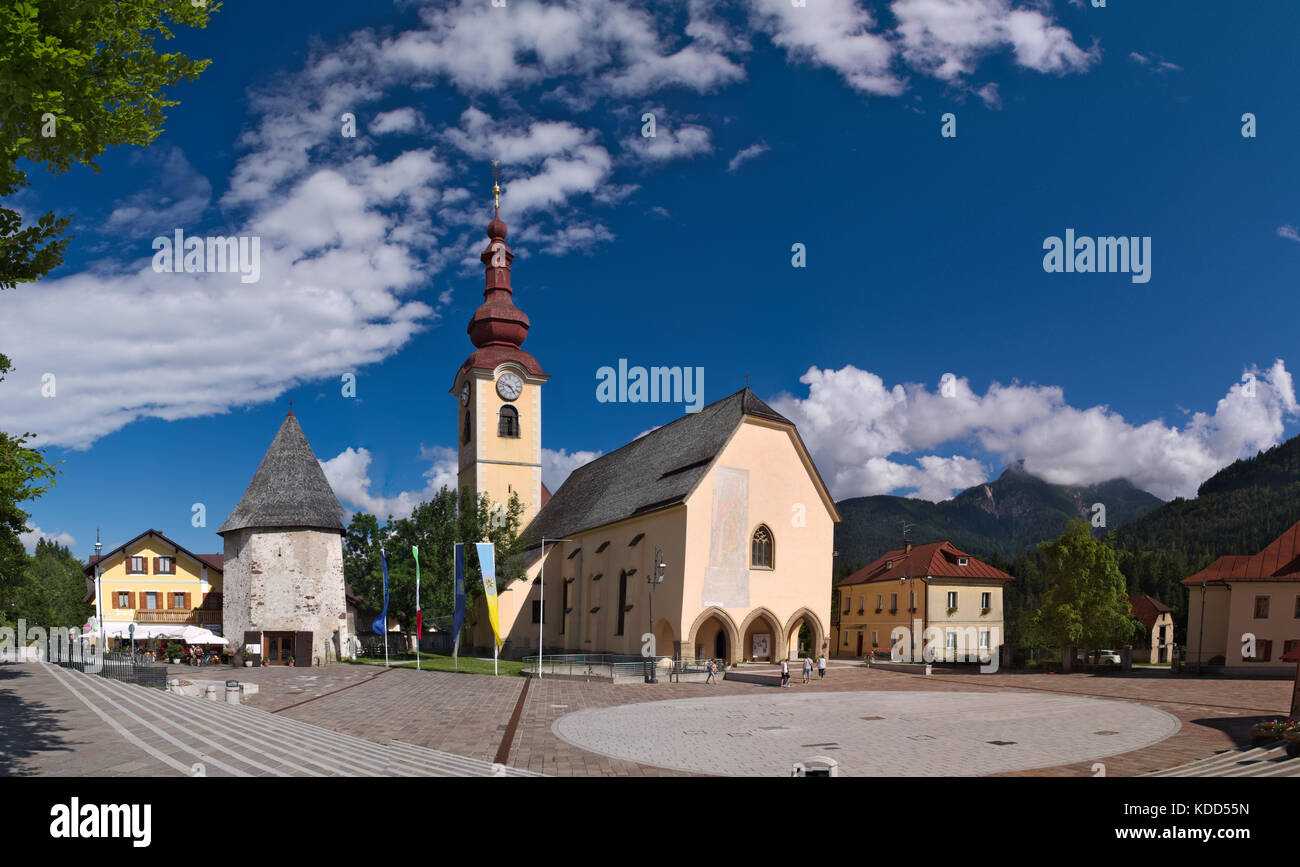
(79, 77)
(1087, 605)
(24, 475)
(434, 527)
(55, 588)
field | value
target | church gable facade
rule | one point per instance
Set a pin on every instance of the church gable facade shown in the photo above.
(724, 504)
(743, 528)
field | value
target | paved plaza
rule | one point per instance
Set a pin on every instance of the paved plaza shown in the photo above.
(867, 733)
(48, 723)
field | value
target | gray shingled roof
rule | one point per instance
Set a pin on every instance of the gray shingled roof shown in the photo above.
(289, 488)
(650, 473)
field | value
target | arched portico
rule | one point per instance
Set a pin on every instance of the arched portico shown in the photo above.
(761, 622)
(817, 641)
(713, 630)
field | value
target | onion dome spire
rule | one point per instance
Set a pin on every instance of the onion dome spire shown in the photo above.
(497, 322)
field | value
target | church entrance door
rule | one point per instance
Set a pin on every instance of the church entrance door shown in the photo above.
(277, 647)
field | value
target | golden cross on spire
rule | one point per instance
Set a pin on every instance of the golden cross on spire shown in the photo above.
(496, 187)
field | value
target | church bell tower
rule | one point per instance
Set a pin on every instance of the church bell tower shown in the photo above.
(498, 390)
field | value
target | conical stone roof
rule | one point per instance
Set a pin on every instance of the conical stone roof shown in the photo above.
(289, 488)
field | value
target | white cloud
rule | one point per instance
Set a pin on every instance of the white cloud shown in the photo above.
(349, 475)
(176, 197)
(836, 34)
(744, 155)
(399, 120)
(557, 465)
(685, 141)
(1290, 232)
(613, 47)
(30, 538)
(947, 38)
(854, 424)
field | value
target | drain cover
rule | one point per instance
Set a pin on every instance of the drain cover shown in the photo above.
(1105, 733)
(872, 717)
(1001, 743)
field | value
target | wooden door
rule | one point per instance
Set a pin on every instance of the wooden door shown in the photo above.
(859, 644)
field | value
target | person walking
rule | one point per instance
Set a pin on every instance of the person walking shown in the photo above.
(785, 673)
(821, 666)
(713, 673)
(807, 669)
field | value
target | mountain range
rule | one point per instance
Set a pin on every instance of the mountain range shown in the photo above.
(1003, 517)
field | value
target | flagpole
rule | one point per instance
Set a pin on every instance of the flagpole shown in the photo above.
(385, 556)
(418, 624)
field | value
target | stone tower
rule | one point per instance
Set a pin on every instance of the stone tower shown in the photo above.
(284, 558)
(499, 393)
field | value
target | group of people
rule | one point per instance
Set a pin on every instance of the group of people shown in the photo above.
(807, 670)
(808, 664)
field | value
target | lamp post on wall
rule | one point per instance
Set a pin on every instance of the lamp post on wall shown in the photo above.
(654, 579)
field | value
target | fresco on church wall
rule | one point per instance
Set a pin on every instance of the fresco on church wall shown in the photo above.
(726, 580)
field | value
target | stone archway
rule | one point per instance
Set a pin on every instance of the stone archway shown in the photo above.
(760, 622)
(713, 630)
(817, 643)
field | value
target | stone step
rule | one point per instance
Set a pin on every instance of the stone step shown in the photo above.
(236, 740)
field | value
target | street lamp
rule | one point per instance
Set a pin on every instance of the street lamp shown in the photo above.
(654, 579)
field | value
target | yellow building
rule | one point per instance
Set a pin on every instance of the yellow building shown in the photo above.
(722, 508)
(1244, 610)
(919, 588)
(153, 580)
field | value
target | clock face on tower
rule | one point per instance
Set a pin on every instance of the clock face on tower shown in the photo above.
(510, 386)
(464, 394)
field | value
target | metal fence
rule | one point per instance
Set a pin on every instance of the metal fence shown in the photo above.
(611, 666)
(126, 667)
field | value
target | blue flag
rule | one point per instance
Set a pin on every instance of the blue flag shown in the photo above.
(460, 591)
(380, 626)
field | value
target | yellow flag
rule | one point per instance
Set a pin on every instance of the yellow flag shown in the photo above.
(487, 565)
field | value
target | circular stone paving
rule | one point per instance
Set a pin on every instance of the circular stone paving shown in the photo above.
(868, 733)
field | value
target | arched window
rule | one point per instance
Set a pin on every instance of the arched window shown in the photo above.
(508, 422)
(465, 436)
(762, 548)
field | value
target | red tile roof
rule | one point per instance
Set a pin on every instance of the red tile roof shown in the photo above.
(1279, 561)
(937, 559)
(1148, 610)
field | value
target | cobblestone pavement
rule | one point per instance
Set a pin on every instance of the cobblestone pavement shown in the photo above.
(42, 730)
(867, 733)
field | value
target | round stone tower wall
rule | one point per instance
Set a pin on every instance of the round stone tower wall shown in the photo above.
(286, 579)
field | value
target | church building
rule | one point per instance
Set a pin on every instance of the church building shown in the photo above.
(718, 521)
(283, 562)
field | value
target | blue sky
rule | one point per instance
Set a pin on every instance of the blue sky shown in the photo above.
(924, 253)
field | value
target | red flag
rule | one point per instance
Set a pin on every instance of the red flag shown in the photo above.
(419, 624)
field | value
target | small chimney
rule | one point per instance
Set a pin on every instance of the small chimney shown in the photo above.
(907, 546)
